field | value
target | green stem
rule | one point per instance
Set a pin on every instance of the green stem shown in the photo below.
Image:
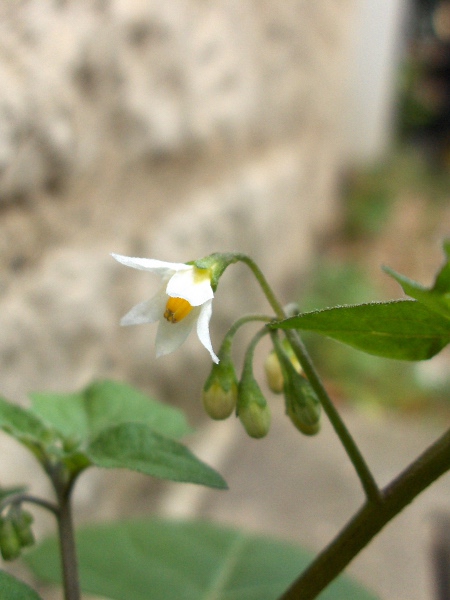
(69, 562)
(248, 359)
(20, 498)
(433, 463)
(273, 301)
(367, 480)
(228, 339)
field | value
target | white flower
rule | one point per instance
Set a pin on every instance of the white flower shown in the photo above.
(185, 297)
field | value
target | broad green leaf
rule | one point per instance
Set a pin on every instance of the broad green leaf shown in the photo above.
(402, 329)
(102, 404)
(43, 441)
(23, 425)
(13, 589)
(137, 447)
(184, 560)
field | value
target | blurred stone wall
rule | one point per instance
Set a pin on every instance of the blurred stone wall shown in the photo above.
(165, 129)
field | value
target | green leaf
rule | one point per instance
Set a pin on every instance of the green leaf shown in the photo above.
(23, 425)
(436, 298)
(102, 404)
(188, 560)
(432, 299)
(402, 329)
(137, 447)
(13, 589)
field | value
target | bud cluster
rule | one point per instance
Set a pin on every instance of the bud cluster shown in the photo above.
(224, 394)
(15, 532)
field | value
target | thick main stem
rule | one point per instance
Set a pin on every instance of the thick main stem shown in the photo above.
(433, 463)
(69, 562)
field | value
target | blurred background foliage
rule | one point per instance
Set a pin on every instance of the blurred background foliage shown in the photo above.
(410, 184)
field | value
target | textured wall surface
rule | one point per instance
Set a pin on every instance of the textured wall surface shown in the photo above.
(165, 129)
(156, 129)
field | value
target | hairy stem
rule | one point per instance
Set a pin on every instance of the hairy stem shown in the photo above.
(372, 517)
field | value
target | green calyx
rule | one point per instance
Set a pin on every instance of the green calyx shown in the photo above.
(10, 546)
(216, 264)
(252, 408)
(22, 521)
(221, 389)
(302, 404)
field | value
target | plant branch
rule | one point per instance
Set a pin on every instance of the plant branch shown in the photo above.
(69, 563)
(268, 292)
(20, 498)
(367, 479)
(372, 517)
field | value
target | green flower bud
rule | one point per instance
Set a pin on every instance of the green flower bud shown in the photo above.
(302, 404)
(252, 408)
(22, 520)
(220, 390)
(273, 370)
(274, 375)
(10, 546)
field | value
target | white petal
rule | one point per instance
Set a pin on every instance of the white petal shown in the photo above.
(149, 311)
(159, 267)
(203, 328)
(189, 285)
(170, 336)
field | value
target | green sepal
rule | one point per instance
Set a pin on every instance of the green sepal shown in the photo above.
(302, 404)
(10, 546)
(22, 521)
(216, 264)
(220, 390)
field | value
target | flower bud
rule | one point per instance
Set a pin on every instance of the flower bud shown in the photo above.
(22, 520)
(302, 404)
(252, 408)
(10, 546)
(274, 375)
(273, 370)
(220, 390)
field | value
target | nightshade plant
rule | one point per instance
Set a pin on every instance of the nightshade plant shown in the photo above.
(111, 425)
